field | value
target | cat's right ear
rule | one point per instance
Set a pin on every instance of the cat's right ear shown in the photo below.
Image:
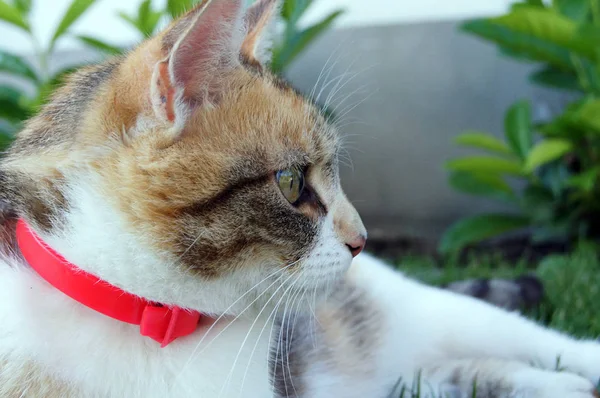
(199, 50)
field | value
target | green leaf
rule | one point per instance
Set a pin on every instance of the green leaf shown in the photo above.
(589, 114)
(100, 45)
(299, 9)
(479, 184)
(546, 152)
(285, 54)
(16, 65)
(147, 18)
(567, 123)
(519, 45)
(538, 202)
(12, 15)
(23, 5)
(176, 8)
(547, 25)
(132, 21)
(483, 164)
(517, 125)
(479, 228)
(537, 3)
(482, 141)
(151, 22)
(75, 10)
(555, 78)
(554, 176)
(11, 104)
(6, 137)
(586, 181)
(143, 11)
(287, 9)
(576, 10)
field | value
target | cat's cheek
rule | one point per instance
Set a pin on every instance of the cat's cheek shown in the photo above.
(328, 260)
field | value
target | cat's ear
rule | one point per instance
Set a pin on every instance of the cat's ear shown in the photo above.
(259, 22)
(201, 48)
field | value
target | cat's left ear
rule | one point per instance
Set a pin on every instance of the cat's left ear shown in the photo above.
(200, 50)
(259, 22)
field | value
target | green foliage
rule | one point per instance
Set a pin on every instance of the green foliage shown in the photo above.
(15, 65)
(571, 283)
(517, 126)
(556, 161)
(486, 164)
(100, 45)
(474, 229)
(482, 184)
(146, 20)
(176, 8)
(546, 152)
(482, 141)
(16, 102)
(13, 15)
(295, 39)
(75, 10)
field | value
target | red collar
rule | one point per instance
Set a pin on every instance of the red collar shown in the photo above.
(161, 323)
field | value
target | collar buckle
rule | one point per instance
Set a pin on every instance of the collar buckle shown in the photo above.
(165, 324)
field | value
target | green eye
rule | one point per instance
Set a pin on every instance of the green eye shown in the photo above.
(291, 183)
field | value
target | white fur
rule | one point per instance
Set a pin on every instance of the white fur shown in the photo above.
(424, 327)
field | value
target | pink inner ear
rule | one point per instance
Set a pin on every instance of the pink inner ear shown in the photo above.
(207, 50)
(166, 91)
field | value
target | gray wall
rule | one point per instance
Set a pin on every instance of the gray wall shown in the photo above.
(422, 84)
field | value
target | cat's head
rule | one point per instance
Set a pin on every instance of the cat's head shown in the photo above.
(187, 173)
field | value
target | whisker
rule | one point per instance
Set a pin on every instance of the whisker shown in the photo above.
(289, 341)
(250, 331)
(337, 81)
(339, 85)
(288, 337)
(272, 314)
(280, 339)
(231, 306)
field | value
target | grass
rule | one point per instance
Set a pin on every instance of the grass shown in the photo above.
(571, 282)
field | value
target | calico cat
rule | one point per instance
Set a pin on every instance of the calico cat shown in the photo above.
(176, 228)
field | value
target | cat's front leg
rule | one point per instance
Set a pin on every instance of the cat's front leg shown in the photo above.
(436, 324)
(468, 328)
(492, 378)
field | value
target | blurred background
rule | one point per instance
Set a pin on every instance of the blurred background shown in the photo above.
(472, 127)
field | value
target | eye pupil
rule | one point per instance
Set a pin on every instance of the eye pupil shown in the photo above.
(291, 183)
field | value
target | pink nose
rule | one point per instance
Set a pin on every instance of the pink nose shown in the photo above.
(356, 245)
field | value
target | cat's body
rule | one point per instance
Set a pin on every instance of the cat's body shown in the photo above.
(187, 175)
(375, 330)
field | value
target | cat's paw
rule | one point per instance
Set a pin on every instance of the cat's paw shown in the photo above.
(582, 358)
(536, 383)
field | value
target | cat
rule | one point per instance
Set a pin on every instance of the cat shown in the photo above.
(186, 181)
